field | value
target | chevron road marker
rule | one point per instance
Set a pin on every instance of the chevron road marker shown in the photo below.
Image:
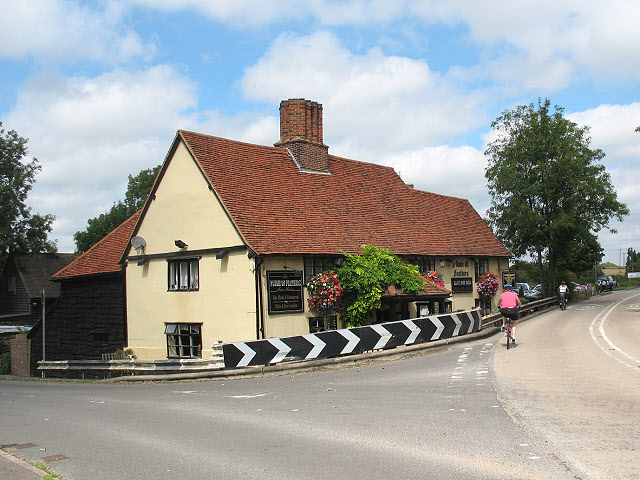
(352, 340)
(414, 329)
(283, 349)
(247, 351)
(318, 345)
(439, 327)
(456, 332)
(385, 336)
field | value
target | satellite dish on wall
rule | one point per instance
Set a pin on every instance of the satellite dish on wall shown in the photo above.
(138, 242)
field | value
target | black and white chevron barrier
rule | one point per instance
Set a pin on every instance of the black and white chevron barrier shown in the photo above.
(347, 341)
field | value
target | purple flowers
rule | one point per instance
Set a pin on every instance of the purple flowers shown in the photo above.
(488, 284)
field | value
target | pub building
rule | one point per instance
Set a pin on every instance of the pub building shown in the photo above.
(231, 233)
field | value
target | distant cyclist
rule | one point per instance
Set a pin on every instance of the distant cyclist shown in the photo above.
(563, 292)
(509, 305)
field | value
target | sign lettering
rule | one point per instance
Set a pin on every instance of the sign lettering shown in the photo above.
(284, 290)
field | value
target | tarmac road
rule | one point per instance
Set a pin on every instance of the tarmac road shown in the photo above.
(561, 405)
(574, 381)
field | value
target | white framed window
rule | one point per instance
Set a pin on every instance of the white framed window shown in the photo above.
(184, 340)
(184, 274)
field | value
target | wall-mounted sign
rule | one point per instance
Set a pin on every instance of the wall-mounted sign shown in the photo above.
(462, 284)
(284, 290)
(508, 277)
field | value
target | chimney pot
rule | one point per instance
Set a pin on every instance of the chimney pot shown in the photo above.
(301, 133)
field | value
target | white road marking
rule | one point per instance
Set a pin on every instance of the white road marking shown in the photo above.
(610, 346)
(255, 395)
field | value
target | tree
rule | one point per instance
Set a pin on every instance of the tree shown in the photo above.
(137, 190)
(364, 277)
(633, 258)
(549, 193)
(20, 231)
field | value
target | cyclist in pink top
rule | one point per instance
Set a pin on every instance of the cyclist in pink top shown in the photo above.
(509, 305)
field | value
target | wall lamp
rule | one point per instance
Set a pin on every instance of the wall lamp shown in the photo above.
(222, 253)
(338, 262)
(180, 244)
(143, 261)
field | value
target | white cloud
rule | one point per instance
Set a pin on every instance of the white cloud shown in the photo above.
(612, 130)
(371, 101)
(64, 31)
(454, 171)
(90, 133)
(554, 39)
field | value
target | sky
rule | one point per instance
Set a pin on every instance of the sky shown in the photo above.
(101, 87)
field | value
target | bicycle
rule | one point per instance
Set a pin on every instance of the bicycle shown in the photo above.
(508, 315)
(511, 342)
(563, 301)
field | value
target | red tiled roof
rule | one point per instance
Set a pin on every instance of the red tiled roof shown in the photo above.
(104, 256)
(280, 210)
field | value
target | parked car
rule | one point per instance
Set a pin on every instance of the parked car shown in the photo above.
(613, 282)
(522, 287)
(581, 289)
(533, 294)
(603, 283)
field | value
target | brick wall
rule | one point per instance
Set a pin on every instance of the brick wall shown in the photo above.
(20, 361)
(301, 133)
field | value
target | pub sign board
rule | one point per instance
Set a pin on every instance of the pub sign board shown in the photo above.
(508, 277)
(284, 289)
(462, 284)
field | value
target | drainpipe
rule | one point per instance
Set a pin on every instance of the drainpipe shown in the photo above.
(258, 283)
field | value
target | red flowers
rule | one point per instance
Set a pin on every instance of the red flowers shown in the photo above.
(324, 292)
(435, 278)
(488, 284)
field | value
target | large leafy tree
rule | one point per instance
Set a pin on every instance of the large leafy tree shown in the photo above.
(97, 228)
(364, 278)
(550, 194)
(20, 230)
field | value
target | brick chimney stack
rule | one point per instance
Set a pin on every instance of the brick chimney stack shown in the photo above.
(301, 133)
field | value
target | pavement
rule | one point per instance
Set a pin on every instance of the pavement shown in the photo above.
(13, 468)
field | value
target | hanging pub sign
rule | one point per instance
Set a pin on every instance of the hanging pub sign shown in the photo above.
(462, 284)
(284, 289)
(508, 277)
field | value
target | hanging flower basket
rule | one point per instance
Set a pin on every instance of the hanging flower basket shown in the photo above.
(325, 293)
(488, 284)
(435, 278)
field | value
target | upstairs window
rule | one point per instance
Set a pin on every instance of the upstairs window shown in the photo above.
(184, 274)
(482, 266)
(425, 264)
(316, 265)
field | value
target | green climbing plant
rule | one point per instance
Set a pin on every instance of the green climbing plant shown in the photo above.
(364, 278)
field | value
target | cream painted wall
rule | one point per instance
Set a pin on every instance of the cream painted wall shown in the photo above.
(185, 208)
(284, 324)
(461, 266)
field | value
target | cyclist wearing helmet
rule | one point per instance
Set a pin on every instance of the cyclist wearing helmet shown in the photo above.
(563, 291)
(509, 305)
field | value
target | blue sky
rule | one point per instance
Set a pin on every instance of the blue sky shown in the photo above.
(100, 87)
